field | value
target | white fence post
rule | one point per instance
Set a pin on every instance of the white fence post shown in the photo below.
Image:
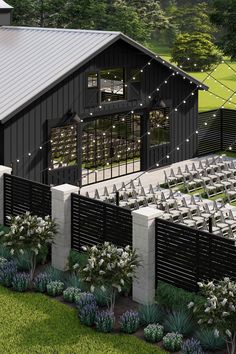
(144, 243)
(3, 169)
(61, 212)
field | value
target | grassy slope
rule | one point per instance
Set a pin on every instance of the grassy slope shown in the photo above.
(33, 323)
(222, 73)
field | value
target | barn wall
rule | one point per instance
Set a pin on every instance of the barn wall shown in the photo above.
(28, 130)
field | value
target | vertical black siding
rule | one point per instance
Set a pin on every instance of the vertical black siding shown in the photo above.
(26, 131)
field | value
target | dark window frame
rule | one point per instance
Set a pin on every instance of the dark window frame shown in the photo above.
(97, 80)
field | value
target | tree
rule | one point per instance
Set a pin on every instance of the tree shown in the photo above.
(224, 16)
(109, 268)
(199, 48)
(29, 233)
(219, 310)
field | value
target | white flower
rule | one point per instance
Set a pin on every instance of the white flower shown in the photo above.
(101, 262)
(103, 288)
(84, 248)
(216, 333)
(12, 251)
(101, 272)
(223, 303)
(228, 333)
(76, 266)
(122, 282)
(21, 251)
(225, 314)
(129, 275)
(200, 285)
(190, 305)
(127, 248)
(210, 321)
(92, 288)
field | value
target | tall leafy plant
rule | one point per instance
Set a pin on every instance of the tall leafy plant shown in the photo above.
(29, 233)
(109, 267)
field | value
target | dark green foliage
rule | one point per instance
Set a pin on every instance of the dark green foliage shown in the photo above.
(55, 274)
(179, 321)
(41, 281)
(102, 297)
(152, 313)
(129, 322)
(175, 298)
(75, 282)
(20, 282)
(173, 341)
(76, 257)
(223, 16)
(191, 346)
(87, 314)
(199, 47)
(153, 333)
(209, 341)
(104, 321)
(4, 252)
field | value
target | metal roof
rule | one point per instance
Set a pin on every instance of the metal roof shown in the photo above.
(32, 60)
(4, 5)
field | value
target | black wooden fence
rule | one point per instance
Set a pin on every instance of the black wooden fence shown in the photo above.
(219, 133)
(185, 256)
(21, 195)
(95, 222)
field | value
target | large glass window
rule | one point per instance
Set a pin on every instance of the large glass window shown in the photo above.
(112, 85)
(63, 146)
(159, 127)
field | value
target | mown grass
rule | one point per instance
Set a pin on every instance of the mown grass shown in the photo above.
(227, 76)
(33, 323)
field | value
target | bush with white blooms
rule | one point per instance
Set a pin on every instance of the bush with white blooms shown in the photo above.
(29, 233)
(219, 309)
(109, 267)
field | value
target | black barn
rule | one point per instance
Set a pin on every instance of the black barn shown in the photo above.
(82, 106)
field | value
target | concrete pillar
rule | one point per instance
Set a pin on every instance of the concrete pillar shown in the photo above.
(144, 243)
(3, 169)
(61, 212)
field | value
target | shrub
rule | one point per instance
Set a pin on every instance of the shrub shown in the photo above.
(75, 282)
(153, 333)
(21, 281)
(84, 299)
(3, 261)
(129, 322)
(109, 267)
(7, 271)
(151, 313)
(180, 322)
(41, 281)
(175, 298)
(87, 314)
(77, 258)
(191, 346)
(55, 288)
(23, 261)
(209, 340)
(4, 252)
(55, 274)
(104, 321)
(101, 296)
(173, 342)
(70, 293)
(29, 233)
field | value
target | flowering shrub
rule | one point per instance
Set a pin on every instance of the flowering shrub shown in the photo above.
(153, 333)
(7, 271)
(191, 346)
(129, 322)
(173, 341)
(3, 261)
(20, 282)
(55, 288)
(219, 310)
(41, 281)
(108, 267)
(29, 233)
(104, 321)
(84, 299)
(70, 293)
(87, 314)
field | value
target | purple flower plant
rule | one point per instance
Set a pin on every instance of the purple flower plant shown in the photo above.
(129, 321)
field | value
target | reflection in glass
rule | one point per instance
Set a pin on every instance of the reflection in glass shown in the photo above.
(112, 85)
(159, 127)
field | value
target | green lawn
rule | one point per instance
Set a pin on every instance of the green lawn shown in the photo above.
(207, 101)
(33, 323)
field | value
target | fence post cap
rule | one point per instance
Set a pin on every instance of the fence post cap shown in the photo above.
(5, 169)
(65, 188)
(147, 212)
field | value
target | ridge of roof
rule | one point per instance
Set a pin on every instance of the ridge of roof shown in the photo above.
(52, 29)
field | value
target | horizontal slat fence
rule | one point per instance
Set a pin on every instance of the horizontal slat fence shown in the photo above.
(21, 195)
(229, 128)
(185, 256)
(94, 222)
(210, 135)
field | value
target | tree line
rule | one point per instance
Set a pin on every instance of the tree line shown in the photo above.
(201, 29)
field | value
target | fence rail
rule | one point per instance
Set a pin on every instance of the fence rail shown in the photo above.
(185, 256)
(95, 222)
(21, 195)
